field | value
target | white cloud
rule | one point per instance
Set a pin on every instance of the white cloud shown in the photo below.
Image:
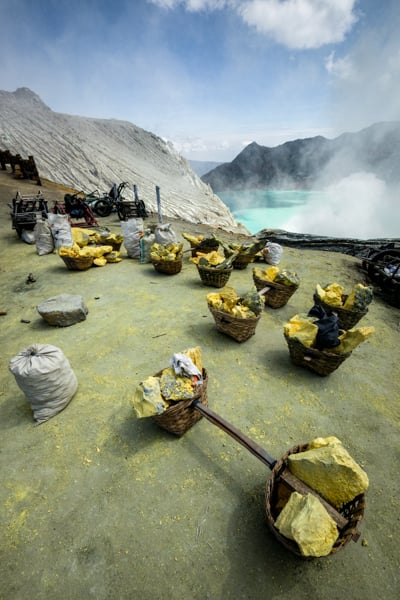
(342, 67)
(301, 23)
(297, 24)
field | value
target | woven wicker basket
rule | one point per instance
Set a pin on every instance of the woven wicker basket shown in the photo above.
(180, 416)
(170, 267)
(242, 260)
(237, 328)
(352, 511)
(320, 361)
(278, 293)
(202, 249)
(78, 264)
(214, 277)
(346, 318)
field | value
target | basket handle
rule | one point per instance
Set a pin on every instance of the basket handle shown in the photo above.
(290, 480)
(240, 437)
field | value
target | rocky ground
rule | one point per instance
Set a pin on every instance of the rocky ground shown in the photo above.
(97, 504)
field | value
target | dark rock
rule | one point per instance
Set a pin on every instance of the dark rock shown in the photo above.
(63, 310)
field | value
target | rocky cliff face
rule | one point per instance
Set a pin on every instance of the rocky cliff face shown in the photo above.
(306, 163)
(88, 154)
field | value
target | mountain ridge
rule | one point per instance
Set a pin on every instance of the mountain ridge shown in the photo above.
(87, 153)
(309, 162)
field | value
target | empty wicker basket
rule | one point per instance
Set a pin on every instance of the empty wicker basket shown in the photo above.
(169, 267)
(277, 295)
(352, 511)
(237, 328)
(319, 361)
(81, 263)
(214, 277)
(180, 417)
(346, 318)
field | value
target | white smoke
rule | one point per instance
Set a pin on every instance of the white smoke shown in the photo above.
(358, 206)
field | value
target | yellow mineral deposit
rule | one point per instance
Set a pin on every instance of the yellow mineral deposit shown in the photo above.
(175, 387)
(302, 328)
(329, 469)
(352, 338)
(147, 399)
(305, 520)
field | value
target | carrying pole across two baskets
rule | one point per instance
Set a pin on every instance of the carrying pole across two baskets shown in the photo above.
(346, 519)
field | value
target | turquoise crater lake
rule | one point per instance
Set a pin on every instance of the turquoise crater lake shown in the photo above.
(267, 209)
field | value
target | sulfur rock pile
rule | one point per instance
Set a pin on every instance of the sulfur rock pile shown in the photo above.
(175, 383)
(334, 295)
(227, 300)
(327, 468)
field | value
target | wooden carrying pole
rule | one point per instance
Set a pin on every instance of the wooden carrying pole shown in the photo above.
(292, 482)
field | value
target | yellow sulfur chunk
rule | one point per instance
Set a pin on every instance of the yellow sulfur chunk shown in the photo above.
(100, 261)
(332, 294)
(72, 251)
(96, 251)
(267, 274)
(175, 387)
(195, 356)
(306, 521)
(302, 328)
(192, 238)
(112, 257)
(80, 236)
(359, 298)
(351, 339)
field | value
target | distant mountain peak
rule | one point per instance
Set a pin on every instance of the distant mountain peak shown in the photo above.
(88, 153)
(303, 163)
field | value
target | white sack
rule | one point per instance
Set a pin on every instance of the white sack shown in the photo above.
(145, 246)
(272, 253)
(165, 235)
(43, 237)
(61, 230)
(132, 230)
(45, 376)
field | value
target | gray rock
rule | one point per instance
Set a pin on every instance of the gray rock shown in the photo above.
(63, 310)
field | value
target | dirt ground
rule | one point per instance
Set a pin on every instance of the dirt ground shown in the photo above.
(98, 504)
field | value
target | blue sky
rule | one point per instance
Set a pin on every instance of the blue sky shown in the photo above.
(211, 76)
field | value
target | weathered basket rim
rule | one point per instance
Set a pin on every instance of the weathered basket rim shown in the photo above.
(237, 328)
(79, 263)
(320, 361)
(214, 270)
(279, 286)
(168, 266)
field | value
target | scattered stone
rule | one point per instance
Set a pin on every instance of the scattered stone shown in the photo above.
(305, 520)
(3, 312)
(30, 278)
(63, 310)
(25, 321)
